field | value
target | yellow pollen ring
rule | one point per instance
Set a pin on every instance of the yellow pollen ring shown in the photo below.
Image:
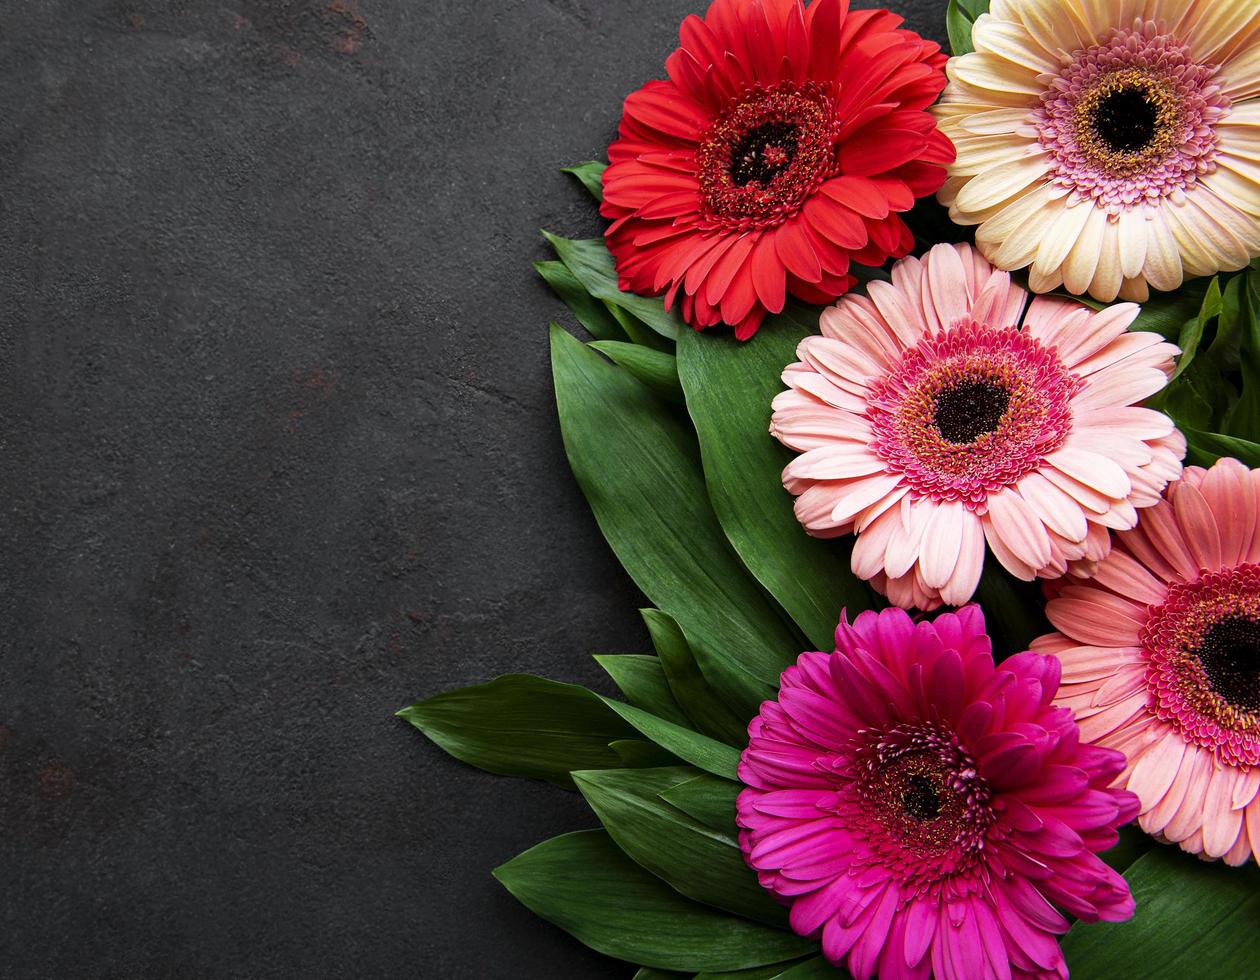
(1155, 92)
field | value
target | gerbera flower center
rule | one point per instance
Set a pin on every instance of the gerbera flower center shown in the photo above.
(1203, 652)
(920, 800)
(970, 410)
(1126, 113)
(1230, 655)
(1131, 119)
(763, 156)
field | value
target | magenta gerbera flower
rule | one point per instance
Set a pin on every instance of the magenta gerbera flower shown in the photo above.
(922, 810)
(936, 414)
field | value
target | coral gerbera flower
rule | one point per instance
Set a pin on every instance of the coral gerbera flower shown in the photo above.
(921, 810)
(1161, 660)
(932, 421)
(1112, 147)
(782, 146)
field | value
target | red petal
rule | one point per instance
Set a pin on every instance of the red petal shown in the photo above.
(768, 274)
(859, 194)
(880, 151)
(837, 222)
(716, 283)
(794, 248)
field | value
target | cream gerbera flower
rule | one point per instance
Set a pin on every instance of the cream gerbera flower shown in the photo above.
(1111, 145)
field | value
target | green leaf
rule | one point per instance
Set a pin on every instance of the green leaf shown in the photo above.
(729, 388)
(709, 799)
(1243, 418)
(1192, 333)
(814, 967)
(584, 884)
(1194, 919)
(1167, 313)
(696, 861)
(520, 725)
(974, 8)
(642, 680)
(1132, 845)
(636, 463)
(1205, 448)
(958, 26)
(638, 331)
(636, 753)
(591, 175)
(591, 313)
(591, 263)
(656, 369)
(700, 750)
(647, 973)
(704, 709)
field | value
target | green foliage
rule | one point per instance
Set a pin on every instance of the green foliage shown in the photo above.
(704, 709)
(519, 725)
(656, 369)
(593, 314)
(960, 15)
(1194, 920)
(1214, 395)
(700, 750)
(729, 387)
(642, 680)
(709, 799)
(585, 884)
(695, 860)
(636, 463)
(592, 266)
(591, 175)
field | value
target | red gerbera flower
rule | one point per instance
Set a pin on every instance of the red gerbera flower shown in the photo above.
(780, 149)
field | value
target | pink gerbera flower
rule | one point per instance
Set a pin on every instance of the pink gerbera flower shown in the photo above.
(921, 809)
(1161, 660)
(935, 414)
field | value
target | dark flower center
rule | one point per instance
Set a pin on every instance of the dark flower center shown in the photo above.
(969, 409)
(1125, 120)
(763, 153)
(920, 800)
(1230, 655)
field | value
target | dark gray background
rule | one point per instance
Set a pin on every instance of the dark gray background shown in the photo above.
(277, 456)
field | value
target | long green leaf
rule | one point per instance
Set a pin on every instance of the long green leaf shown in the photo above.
(520, 725)
(696, 861)
(1193, 920)
(584, 884)
(1243, 419)
(1168, 313)
(814, 968)
(656, 369)
(1131, 846)
(642, 680)
(709, 799)
(591, 263)
(700, 750)
(1205, 448)
(590, 312)
(705, 710)
(636, 463)
(591, 175)
(729, 388)
(639, 753)
(958, 27)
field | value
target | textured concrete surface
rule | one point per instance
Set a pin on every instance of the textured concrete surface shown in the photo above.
(277, 456)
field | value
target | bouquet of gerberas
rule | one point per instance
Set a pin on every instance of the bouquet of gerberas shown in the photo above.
(997, 427)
